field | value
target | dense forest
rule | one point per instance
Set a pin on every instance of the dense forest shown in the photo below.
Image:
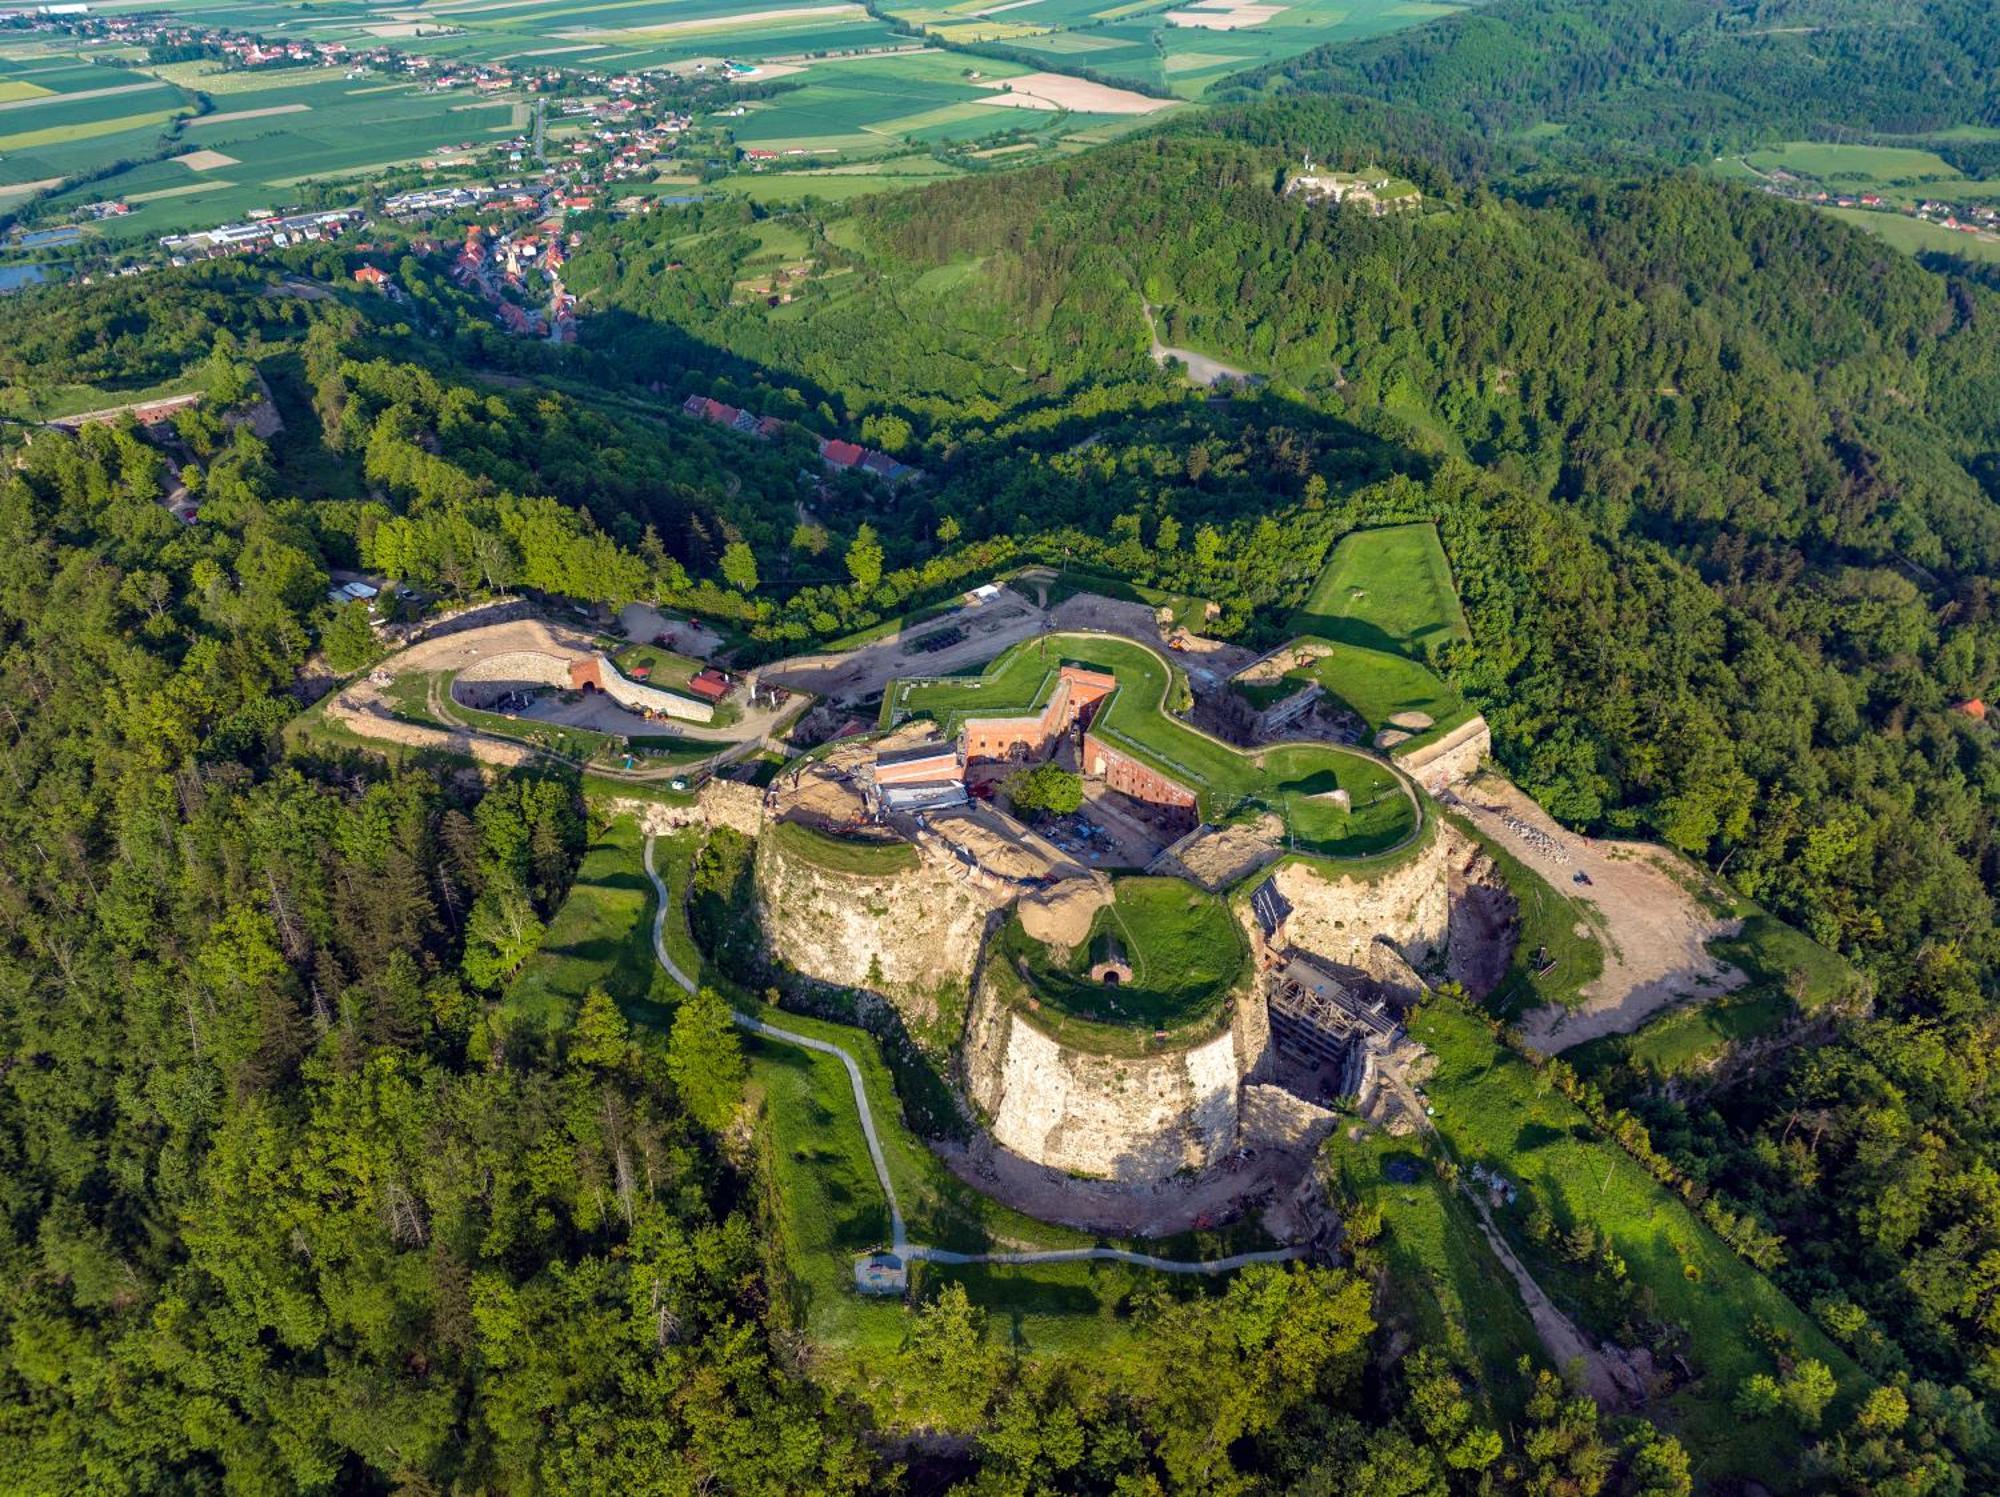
(289, 1200)
(1717, 483)
(1680, 78)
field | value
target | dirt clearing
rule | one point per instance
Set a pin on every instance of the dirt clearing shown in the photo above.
(1655, 933)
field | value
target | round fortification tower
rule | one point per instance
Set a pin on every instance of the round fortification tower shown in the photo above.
(1122, 1056)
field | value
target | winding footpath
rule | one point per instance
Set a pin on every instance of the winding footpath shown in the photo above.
(900, 1244)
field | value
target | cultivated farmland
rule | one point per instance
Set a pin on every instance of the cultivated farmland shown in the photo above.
(60, 114)
(301, 125)
(1179, 48)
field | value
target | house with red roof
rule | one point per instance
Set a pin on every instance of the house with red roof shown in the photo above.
(836, 453)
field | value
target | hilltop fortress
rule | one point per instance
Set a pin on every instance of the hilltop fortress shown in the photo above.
(1202, 961)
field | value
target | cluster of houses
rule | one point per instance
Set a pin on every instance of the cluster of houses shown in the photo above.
(1964, 218)
(838, 455)
(263, 231)
(492, 266)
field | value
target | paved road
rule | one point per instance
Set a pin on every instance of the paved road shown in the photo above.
(900, 1243)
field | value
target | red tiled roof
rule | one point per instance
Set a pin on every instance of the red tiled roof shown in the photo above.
(840, 454)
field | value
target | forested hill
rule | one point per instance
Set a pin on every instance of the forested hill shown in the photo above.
(1684, 77)
(1717, 478)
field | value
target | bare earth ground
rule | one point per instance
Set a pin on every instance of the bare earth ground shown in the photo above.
(864, 673)
(363, 707)
(1212, 663)
(646, 623)
(1060, 91)
(1654, 932)
(1177, 1204)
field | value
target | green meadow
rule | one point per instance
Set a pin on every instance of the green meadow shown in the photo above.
(1492, 1108)
(1386, 589)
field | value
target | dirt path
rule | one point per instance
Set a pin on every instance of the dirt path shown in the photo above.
(1565, 1344)
(1560, 1338)
(900, 1243)
(364, 708)
(1653, 930)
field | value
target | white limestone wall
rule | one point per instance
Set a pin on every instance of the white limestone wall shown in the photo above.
(639, 697)
(906, 935)
(519, 667)
(1132, 1119)
(1447, 761)
(1338, 916)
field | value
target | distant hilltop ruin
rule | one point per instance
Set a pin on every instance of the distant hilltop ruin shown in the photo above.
(1374, 190)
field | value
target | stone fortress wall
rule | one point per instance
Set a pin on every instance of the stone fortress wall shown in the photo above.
(1340, 915)
(1450, 758)
(1134, 1119)
(905, 934)
(597, 670)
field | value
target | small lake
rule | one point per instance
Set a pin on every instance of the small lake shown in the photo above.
(14, 277)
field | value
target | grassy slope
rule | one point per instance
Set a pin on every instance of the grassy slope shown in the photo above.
(827, 1206)
(1376, 686)
(843, 854)
(602, 935)
(1443, 1281)
(1386, 589)
(1492, 1107)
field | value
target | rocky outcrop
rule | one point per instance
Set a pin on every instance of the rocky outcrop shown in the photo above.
(1133, 1119)
(1339, 915)
(1450, 758)
(718, 803)
(908, 934)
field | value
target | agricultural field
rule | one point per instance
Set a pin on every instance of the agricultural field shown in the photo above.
(312, 124)
(866, 106)
(1903, 176)
(1181, 48)
(1386, 589)
(1295, 781)
(61, 113)
(616, 34)
(1913, 236)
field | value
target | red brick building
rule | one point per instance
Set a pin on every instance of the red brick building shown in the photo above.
(1076, 698)
(1121, 772)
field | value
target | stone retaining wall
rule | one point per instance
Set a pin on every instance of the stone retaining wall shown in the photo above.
(1339, 915)
(907, 935)
(1450, 759)
(1134, 1119)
